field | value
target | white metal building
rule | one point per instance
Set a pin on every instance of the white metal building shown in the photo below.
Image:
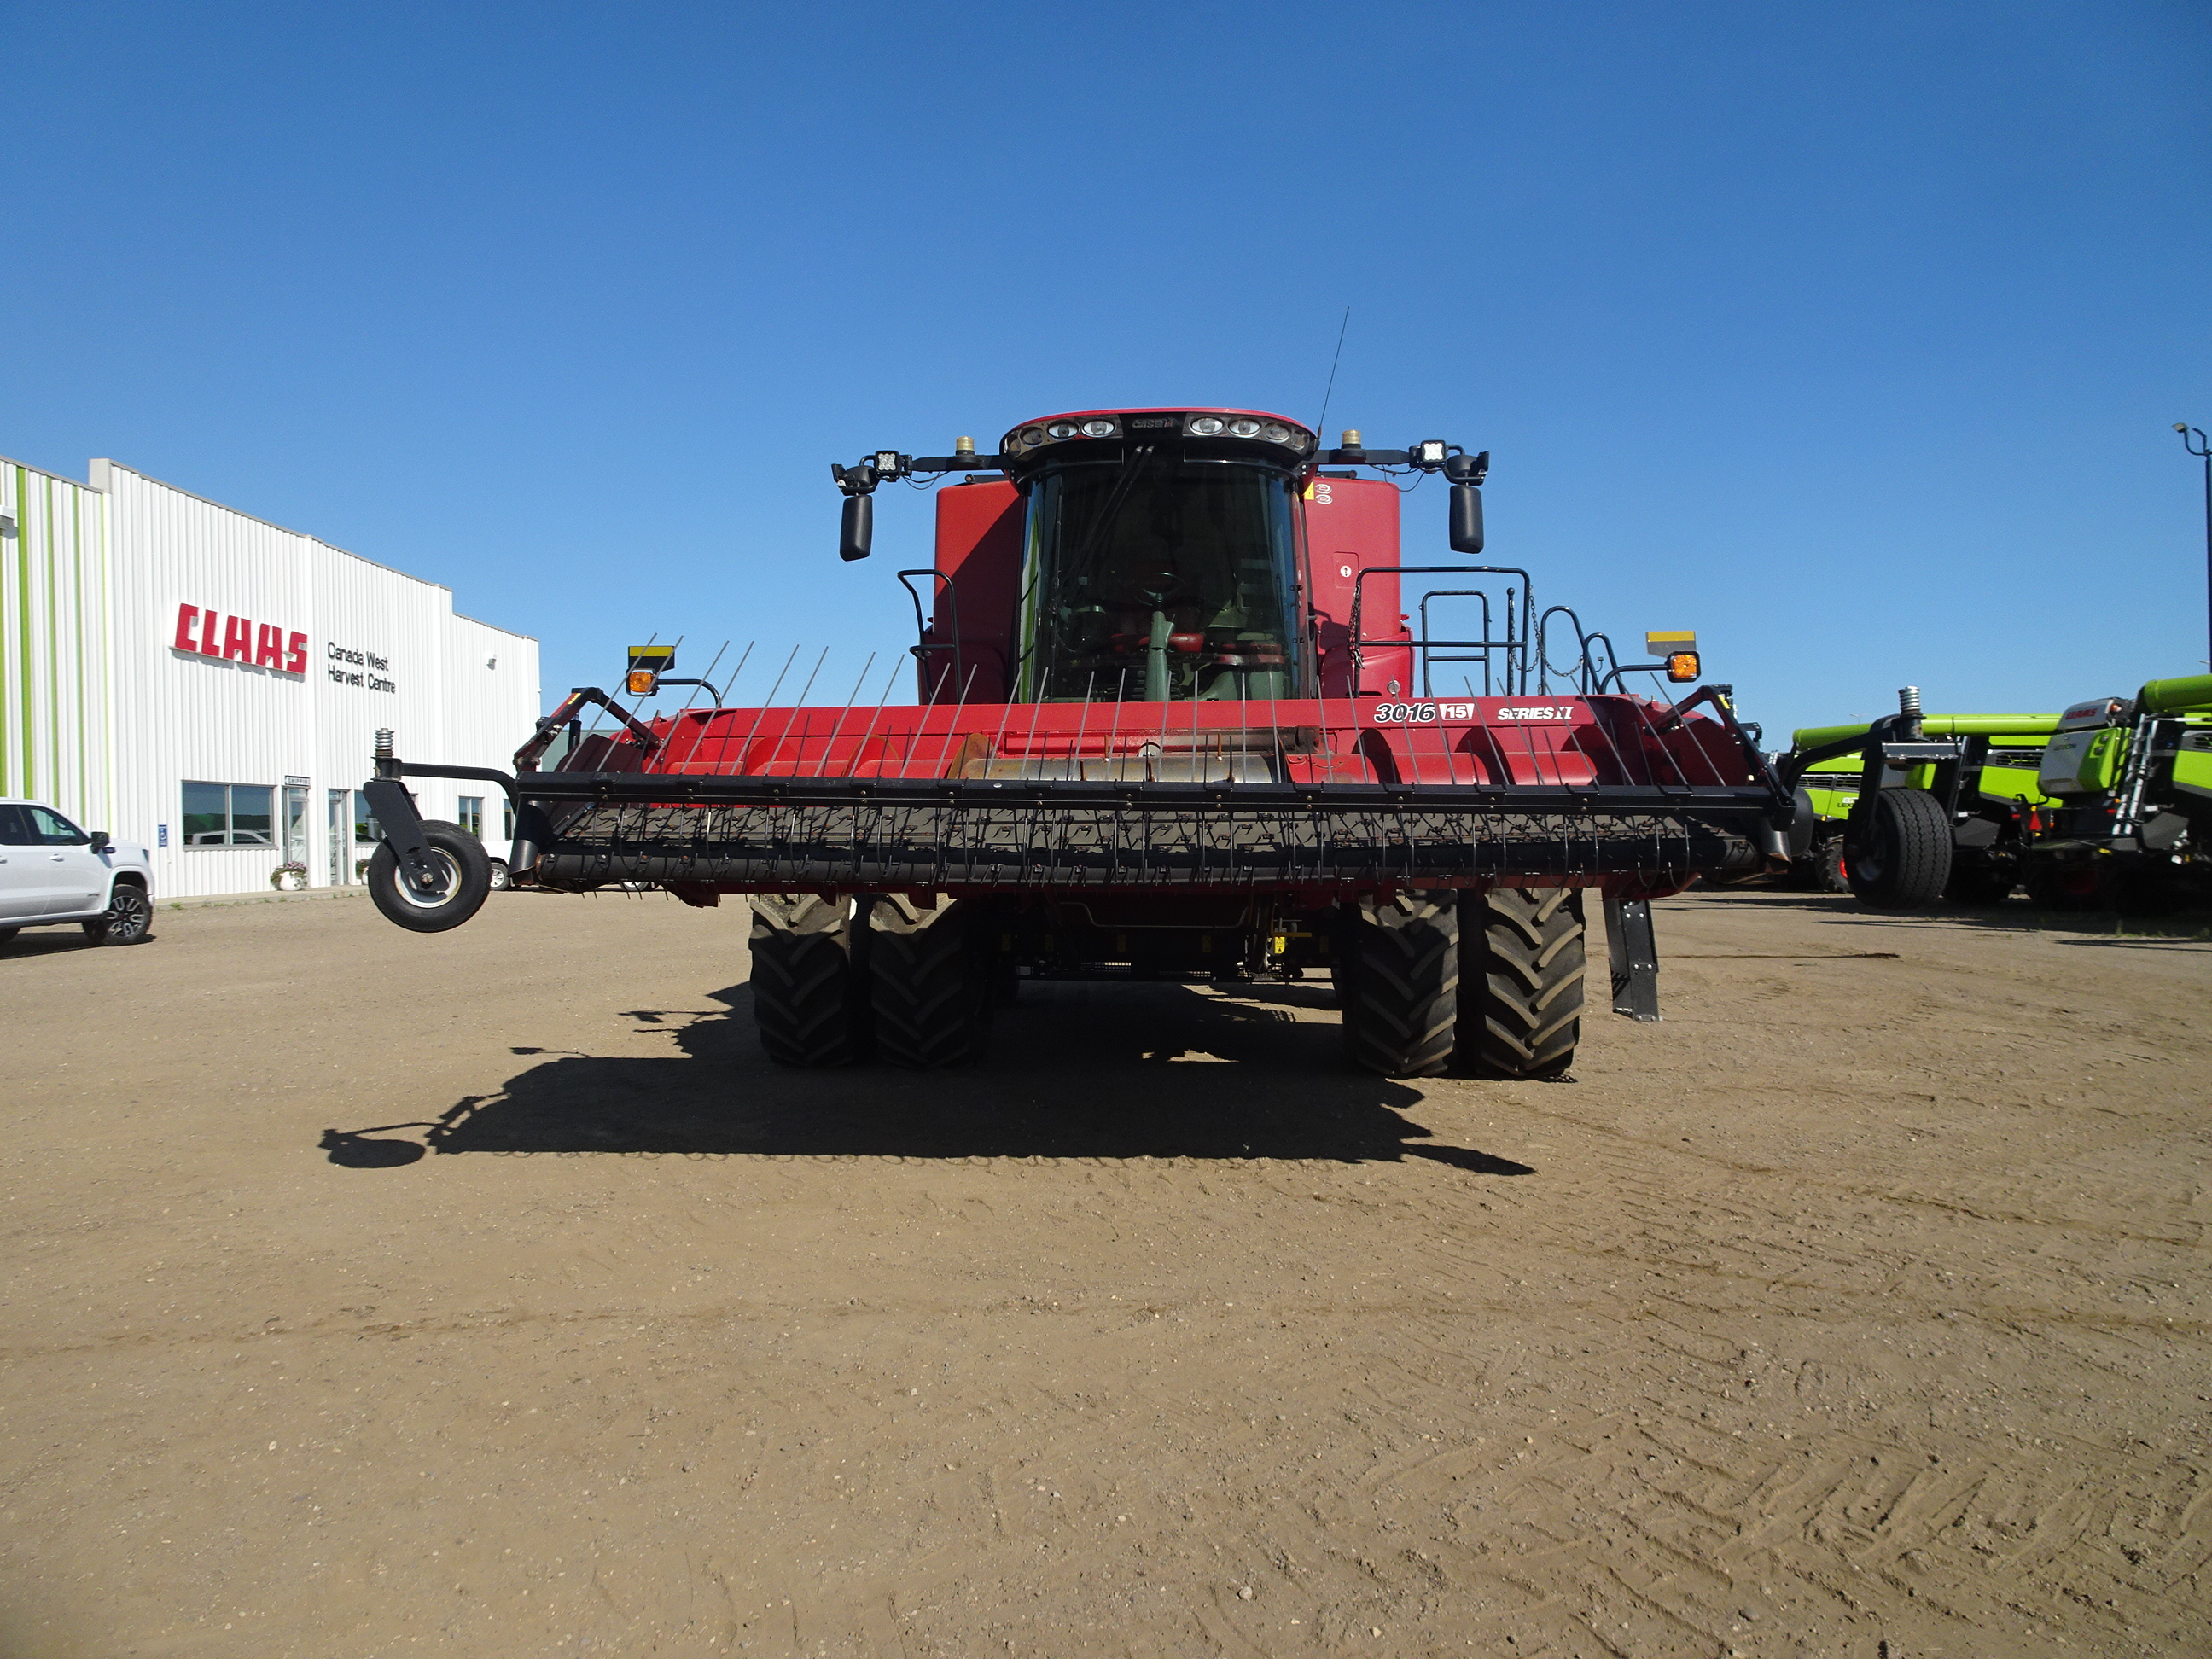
(179, 673)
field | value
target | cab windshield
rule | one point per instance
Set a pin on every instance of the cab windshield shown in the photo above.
(1159, 580)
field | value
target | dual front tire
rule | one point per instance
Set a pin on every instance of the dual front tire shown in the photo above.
(835, 982)
(1486, 984)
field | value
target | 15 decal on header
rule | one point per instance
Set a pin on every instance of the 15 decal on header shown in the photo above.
(239, 638)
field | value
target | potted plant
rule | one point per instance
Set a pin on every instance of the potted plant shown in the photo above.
(361, 869)
(290, 878)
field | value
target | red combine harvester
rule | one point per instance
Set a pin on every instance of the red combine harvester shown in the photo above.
(1167, 725)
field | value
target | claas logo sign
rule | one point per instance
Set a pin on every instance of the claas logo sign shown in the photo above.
(239, 638)
(1679, 651)
(647, 662)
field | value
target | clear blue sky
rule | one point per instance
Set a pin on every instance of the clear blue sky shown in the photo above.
(1851, 337)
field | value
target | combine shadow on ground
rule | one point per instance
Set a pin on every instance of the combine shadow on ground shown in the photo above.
(1075, 1071)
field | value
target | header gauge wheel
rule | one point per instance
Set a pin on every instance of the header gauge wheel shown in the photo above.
(464, 878)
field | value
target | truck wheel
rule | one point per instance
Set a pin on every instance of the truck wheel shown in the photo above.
(1398, 982)
(1522, 953)
(1897, 849)
(1979, 882)
(929, 993)
(809, 1000)
(465, 877)
(128, 918)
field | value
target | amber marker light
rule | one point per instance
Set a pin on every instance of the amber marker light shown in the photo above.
(1682, 665)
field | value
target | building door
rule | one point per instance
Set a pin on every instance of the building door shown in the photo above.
(295, 822)
(340, 837)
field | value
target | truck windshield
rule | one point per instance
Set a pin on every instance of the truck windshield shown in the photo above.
(1161, 580)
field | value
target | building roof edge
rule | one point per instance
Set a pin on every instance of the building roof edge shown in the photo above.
(48, 472)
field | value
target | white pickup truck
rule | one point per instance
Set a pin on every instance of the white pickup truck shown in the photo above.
(52, 873)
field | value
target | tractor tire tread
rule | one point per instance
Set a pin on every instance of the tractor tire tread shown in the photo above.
(805, 1006)
(930, 1000)
(1399, 987)
(1524, 953)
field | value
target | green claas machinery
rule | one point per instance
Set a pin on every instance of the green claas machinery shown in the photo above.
(1917, 806)
(2126, 817)
(2106, 805)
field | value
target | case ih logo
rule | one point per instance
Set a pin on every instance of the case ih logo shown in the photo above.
(239, 638)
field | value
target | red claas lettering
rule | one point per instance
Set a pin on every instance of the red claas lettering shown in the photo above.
(210, 645)
(238, 639)
(295, 659)
(268, 647)
(186, 639)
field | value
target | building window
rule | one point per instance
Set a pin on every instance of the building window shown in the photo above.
(365, 827)
(507, 820)
(470, 808)
(230, 815)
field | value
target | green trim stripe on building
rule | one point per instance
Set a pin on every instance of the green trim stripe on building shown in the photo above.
(23, 620)
(53, 660)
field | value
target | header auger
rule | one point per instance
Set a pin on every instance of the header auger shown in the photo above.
(1169, 721)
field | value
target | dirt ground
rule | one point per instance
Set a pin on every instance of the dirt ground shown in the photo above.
(490, 1294)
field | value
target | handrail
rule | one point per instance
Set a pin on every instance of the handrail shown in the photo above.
(1516, 647)
(1582, 671)
(1428, 657)
(921, 629)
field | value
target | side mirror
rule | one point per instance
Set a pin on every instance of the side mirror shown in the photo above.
(100, 840)
(1466, 518)
(856, 538)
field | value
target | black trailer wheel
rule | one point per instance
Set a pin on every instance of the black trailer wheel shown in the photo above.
(929, 991)
(1398, 982)
(127, 919)
(1521, 955)
(809, 996)
(1897, 849)
(1978, 880)
(464, 878)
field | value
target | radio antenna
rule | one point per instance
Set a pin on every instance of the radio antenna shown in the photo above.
(1321, 437)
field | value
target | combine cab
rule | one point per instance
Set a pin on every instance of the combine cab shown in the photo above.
(1171, 720)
